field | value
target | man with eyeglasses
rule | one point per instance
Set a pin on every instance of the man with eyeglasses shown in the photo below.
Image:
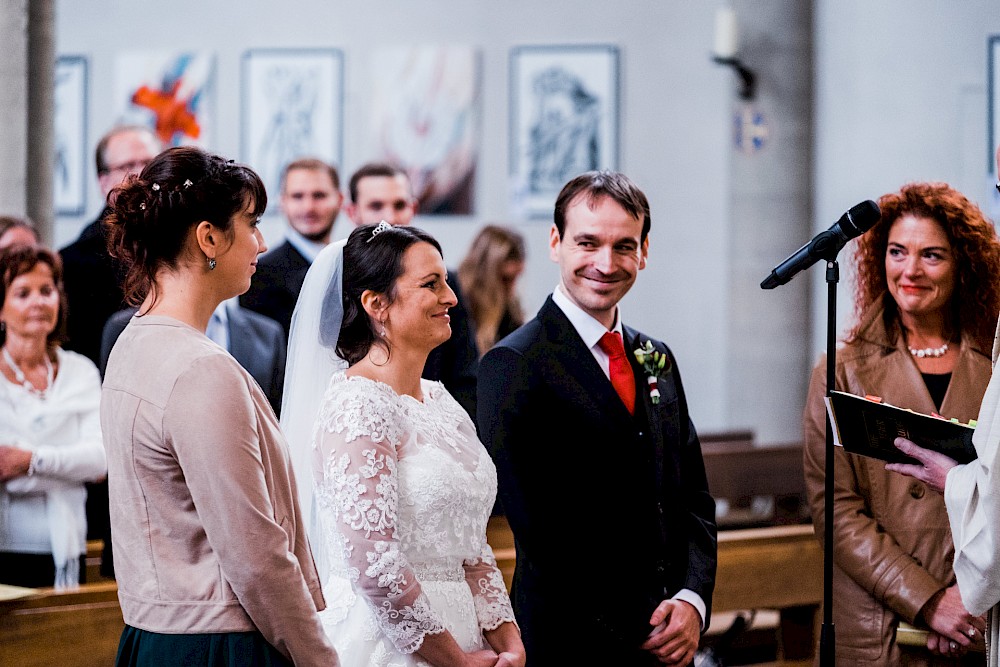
(93, 285)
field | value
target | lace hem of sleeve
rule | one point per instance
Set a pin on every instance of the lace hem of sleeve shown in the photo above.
(493, 607)
(407, 626)
(489, 591)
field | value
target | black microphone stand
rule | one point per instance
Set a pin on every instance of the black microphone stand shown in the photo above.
(825, 246)
(827, 642)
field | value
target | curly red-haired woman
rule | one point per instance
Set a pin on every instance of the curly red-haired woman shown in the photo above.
(926, 307)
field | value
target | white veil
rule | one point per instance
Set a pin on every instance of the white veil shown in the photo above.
(311, 360)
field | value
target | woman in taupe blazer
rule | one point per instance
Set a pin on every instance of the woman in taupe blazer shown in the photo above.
(212, 561)
(926, 306)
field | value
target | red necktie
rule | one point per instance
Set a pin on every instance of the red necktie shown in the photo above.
(622, 378)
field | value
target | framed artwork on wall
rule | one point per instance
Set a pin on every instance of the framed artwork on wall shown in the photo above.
(564, 103)
(172, 92)
(293, 106)
(424, 118)
(70, 162)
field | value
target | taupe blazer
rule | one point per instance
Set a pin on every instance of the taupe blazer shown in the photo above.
(205, 523)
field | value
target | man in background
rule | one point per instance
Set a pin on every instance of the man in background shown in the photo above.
(310, 201)
(92, 281)
(381, 191)
(91, 276)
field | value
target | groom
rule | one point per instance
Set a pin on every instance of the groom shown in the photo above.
(600, 470)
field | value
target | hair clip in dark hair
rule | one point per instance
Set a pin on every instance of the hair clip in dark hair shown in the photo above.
(187, 183)
(156, 187)
(142, 205)
(379, 228)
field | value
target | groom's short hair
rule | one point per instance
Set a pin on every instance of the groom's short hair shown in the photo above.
(595, 185)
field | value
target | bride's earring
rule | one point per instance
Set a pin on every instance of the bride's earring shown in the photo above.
(382, 344)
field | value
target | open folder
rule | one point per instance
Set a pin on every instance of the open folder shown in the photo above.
(868, 427)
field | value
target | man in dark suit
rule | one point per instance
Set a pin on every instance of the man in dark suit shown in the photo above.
(310, 200)
(381, 191)
(92, 278)
(601, 477)
(256, 341)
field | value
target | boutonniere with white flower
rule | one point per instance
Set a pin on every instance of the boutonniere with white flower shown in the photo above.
(656, 364)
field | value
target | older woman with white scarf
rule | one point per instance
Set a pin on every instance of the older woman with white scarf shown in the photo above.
(50, 432)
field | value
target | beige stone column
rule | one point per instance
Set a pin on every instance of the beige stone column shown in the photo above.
(13, 105)
(41, 116)
(27, 66)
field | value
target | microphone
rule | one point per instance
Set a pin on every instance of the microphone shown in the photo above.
(825, 245)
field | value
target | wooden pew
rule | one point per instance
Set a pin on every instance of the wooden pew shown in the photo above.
(779, 568)
(95, 550)
(756, 486)
(501, 540)
(77, 628)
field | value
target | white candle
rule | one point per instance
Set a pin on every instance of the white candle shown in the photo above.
(725, 33)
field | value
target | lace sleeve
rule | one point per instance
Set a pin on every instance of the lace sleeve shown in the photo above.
(358, 490)
(488, 589)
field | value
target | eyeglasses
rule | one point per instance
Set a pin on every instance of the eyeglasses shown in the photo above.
(133, 166)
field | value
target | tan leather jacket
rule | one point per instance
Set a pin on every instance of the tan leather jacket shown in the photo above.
(892, 544)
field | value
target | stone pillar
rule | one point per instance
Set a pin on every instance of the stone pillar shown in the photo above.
(14, 105)
(41, 116)
(27, 70)
(768, 339)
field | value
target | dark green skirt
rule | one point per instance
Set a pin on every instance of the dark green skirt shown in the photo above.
(221, 649)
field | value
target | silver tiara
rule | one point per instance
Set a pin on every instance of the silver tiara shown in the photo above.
(379, 228)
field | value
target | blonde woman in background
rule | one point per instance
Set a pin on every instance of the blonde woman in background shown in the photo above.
(488, 277)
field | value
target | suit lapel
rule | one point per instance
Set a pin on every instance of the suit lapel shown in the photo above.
(592, 385)
(298, 266)
(654, 412)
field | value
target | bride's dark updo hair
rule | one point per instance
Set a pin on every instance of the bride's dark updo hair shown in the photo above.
(373, 260)
(152, 213)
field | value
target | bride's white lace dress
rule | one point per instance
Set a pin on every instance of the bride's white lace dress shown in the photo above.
(404, 492)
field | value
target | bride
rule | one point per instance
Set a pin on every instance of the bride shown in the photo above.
(401, 487)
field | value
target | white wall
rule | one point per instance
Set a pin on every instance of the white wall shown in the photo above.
(674, 129)
(899, 95)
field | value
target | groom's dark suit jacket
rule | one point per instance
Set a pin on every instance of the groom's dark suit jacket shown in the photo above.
(610, 512)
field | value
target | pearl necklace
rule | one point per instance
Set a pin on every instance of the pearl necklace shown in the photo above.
(933, 352)
(23, 381)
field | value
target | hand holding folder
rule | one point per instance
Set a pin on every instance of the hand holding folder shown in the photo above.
(869, 427)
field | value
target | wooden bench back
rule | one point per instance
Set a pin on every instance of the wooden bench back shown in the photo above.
(760, 485)
(77, 628)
